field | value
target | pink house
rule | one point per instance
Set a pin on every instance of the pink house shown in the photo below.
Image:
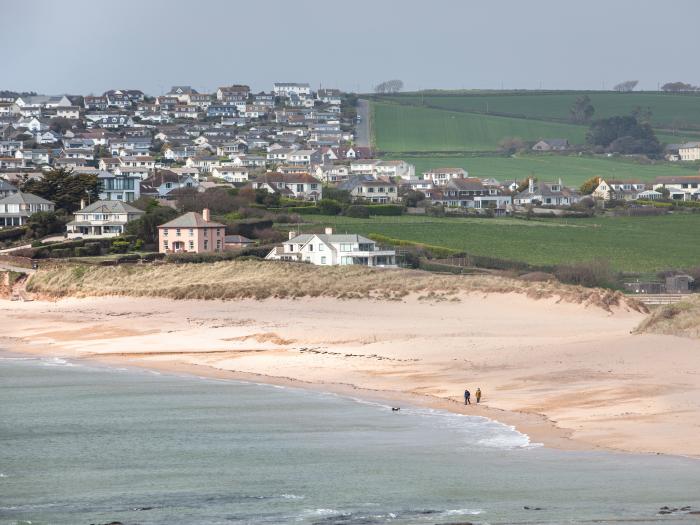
(191, 233)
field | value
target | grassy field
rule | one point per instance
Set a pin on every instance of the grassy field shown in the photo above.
(400, 128)
(572, 169)
(634, 244)
(670, 111)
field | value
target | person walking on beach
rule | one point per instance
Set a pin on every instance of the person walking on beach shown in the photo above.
(467, 396)
(478, 395)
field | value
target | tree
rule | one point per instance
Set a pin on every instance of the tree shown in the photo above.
(643, 115)
(582, 110)
(146, 226)
(590, 185)
(43, 223)
(677, 87)
(342, 196)
(389, 86)
(623, 135)
(511, 145)
(413, 197)
(626, 86)
(525, 184)
(64, 188)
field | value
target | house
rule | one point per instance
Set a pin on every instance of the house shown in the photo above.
(180, 92)
(231, 174)
(551, 145)
(6, 189)
(162, 183)
(628, 190)
(329, 96)
(17, 207)
(441, 176)
(470, 193)
(191, 233)
(95, 103)
(547, 194)
(294, 186)
(119, 186)
(186, 111)
(329, 249)
(69, 112)
(114, 121)
(237, 242)
(9, 147)
(682, 188)
(332, 173)
(237, 90)
(367, 188)
(204, 163)
(285, 89)
(303, 157)
(689, 151)
(102, 219)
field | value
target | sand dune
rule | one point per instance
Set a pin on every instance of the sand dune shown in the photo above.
(569, 375)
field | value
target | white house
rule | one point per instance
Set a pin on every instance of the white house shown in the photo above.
(547, 194)
(231, 173)
(689, 151)
(627, 190)
(329, 249)
(683, 188)
(376, 191)
(294, 186)
(285, 89)
(441, 176)
(17, 207)
(102, 219)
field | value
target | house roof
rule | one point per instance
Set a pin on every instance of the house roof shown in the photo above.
(678, 179)
(6, 186)
(110, 207)
(330, 238)
(191, 220)
(237, 239)
(24, 198)
(469, 184)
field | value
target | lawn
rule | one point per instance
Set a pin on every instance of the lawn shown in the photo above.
(400, 128)
(633, 244)
(573, 170)
(670, 111)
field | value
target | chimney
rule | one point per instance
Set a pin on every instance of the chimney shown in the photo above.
(291, 235)
(206, 215)
(82, 203)
(329, 231)
(560, 184)
(531, 185)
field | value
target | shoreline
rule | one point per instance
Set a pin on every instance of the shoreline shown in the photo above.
(569, 391)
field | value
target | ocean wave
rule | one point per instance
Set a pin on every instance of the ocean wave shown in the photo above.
(56, 361)
(291, 496)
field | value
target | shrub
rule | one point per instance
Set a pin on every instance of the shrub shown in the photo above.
(138, 245)
(596, 273)
(385, 209)
(120, 246)
(357, 211)
(329, 207)
(12, 234)
(247, 228)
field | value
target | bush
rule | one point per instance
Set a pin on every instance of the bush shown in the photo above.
(12, 234)
(303, 210)
(329, 207)
(120, 246)
(385, 209)
(595, 273)
(357, 211)
(247, 228)
(138, 245)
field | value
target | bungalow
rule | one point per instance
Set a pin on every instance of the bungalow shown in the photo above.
(689, 151)
(551, 145)
(627, 190)
(376, 191)
(683, 188)
(102, 219)
(295, 186)
(17, 207)
(547, 194)
(441, 176)
(329, 249)
(191, 233)
(236, 242)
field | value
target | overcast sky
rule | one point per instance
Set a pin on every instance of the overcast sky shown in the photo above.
(89, 46)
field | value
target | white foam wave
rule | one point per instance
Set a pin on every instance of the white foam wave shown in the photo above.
(56, 361)
(462, 512)
(291, 496)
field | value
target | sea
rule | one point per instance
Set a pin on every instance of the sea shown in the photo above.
(83, 443)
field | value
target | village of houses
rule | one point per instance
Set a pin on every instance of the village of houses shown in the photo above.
(292, 141)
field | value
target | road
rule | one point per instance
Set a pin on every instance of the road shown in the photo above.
(363, 135)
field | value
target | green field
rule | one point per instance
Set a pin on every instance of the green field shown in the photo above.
(670, 111)
(400, 128)
(633, 244)
(573, 170)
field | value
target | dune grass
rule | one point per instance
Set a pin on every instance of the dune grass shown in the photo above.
(267, 279)
(680, 319)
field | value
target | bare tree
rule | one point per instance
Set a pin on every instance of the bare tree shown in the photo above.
(626, 86)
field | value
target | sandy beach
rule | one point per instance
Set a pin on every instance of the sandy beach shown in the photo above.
(568, 375)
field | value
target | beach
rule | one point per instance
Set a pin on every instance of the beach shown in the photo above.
(569, 376)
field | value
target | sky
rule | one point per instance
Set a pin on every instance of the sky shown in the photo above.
(89, 46)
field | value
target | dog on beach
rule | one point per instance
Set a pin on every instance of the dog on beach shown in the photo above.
(395, 409)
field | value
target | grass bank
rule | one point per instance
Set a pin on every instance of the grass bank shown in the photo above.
(680, 319)
(265, 279)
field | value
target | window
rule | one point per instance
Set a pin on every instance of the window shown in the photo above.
(206, 244)
(218, 245)
(311, 247)
(165, 244)
(345, 247)
(323, 260)
(177, 232)
(191, 245)
(320, 247)
(218, 232)
(191, 232)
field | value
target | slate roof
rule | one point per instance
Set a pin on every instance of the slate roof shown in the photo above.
(24, 198)
(110, 207)
(191, 220)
